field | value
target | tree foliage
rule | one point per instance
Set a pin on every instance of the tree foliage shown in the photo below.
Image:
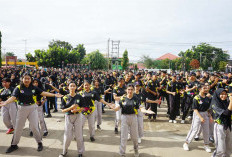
(30, 57)
(125, 60)
(10, 54)
(195, 64)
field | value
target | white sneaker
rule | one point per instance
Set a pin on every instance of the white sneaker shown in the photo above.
(178, 117)
(186, 147)
(189, 117)
(207, 149)
(129, 137)
(170, 121)
(174, 121)
(139, 140)
(182, 122)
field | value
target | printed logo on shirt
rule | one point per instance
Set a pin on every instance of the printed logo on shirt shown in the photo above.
(200, 102)
(9, 92)
(92, 95)
(33, 91)
(22, 91)
(78, 101)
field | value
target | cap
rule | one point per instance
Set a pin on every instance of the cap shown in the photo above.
(192, 74)
(6, 80)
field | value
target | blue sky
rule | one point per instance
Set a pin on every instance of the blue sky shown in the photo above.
(144, 27)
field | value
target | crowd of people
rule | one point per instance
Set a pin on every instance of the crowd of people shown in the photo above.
(203, 98)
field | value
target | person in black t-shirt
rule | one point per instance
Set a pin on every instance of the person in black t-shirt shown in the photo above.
(72, 105)
(25, 93)
(201, 105)
(9, 110)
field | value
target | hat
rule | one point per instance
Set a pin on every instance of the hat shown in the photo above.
(192, 74)
(6, 80)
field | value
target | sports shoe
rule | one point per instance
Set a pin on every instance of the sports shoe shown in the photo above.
(170, 121)
(116, 130)
(196, 138)
(186, 147)
(129, 137)
(12, 148)
(182, 121)
(10, 131)
(79, 155)
(174, 121)
(178, 117)
(189, 117)
(48, 116)
(98, 127)
(40, 147)
(207, 149)
(211, 139)
(136, 154)
(139, 140)
(92, 139)
(31, 133)
(45, 134)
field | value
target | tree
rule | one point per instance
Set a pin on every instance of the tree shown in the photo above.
(81, 49)
(0, 49)
(96, 60)
(222, 65)
(136, 67)
(61, 44)
(148, 62)
(195, 64)
(125, 60)
(30, 57)
(10, 54)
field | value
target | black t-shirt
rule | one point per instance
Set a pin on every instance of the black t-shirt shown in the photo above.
(68, 101)
(201, 104)
(119, 91)
(25, 95)
(153, 85)
(129, 106)
(191, 85)
(63, 91)
(89, 98)
(141, 98)
(99, 90)
(6, 93)
(174, 87)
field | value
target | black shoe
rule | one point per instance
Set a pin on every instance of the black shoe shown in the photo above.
(103, 111)
(196, 139)
(40, 147)
(48, 116)
(31, 133)
(211, 139)
(116, 130)
(79, 155)
(55, 111)
(98, 127)
(12, 148)
(45, 134)
(92, 139)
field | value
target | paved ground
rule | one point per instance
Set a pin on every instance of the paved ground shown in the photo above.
(162, 139)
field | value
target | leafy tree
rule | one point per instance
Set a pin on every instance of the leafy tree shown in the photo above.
(148, 62)
(195, 64)
(81, 49)
(61, 44)
(10, 54)
(30, 57)
(136, 67)
(125, 60)
(222, 65)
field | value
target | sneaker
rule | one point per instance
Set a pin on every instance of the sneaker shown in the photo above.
(186, 147)
(116, 130)
(12, 148)
(178, 117)
(139, 140)
(129, 137)
(63, 155)
(92, 139)
(55, 111)
(136, 154)
(170, 121)
(31, 133)
(207, 149)
(182, 121)
(211, 139)
(45, 134)
(98, 127)
(189, 117)
(40, 147)
(79, 155)
(174, 121)
(196, 138)
(48, 116)
(10, 131)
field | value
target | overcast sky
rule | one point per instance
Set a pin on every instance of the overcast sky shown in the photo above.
(144, 27)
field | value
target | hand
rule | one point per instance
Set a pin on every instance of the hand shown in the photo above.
(202, 120)
(173, 93)
(58, 95)
(230, 98)
(211, 120)
(208, 95)
(158, 101)
(2, 103)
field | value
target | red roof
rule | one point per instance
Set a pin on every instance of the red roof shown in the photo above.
(168, 56)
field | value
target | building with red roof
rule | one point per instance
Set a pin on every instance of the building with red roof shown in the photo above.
(167, 56)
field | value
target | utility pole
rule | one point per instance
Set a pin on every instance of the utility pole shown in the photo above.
(115, 52)
(25, 40)
(108, 53)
